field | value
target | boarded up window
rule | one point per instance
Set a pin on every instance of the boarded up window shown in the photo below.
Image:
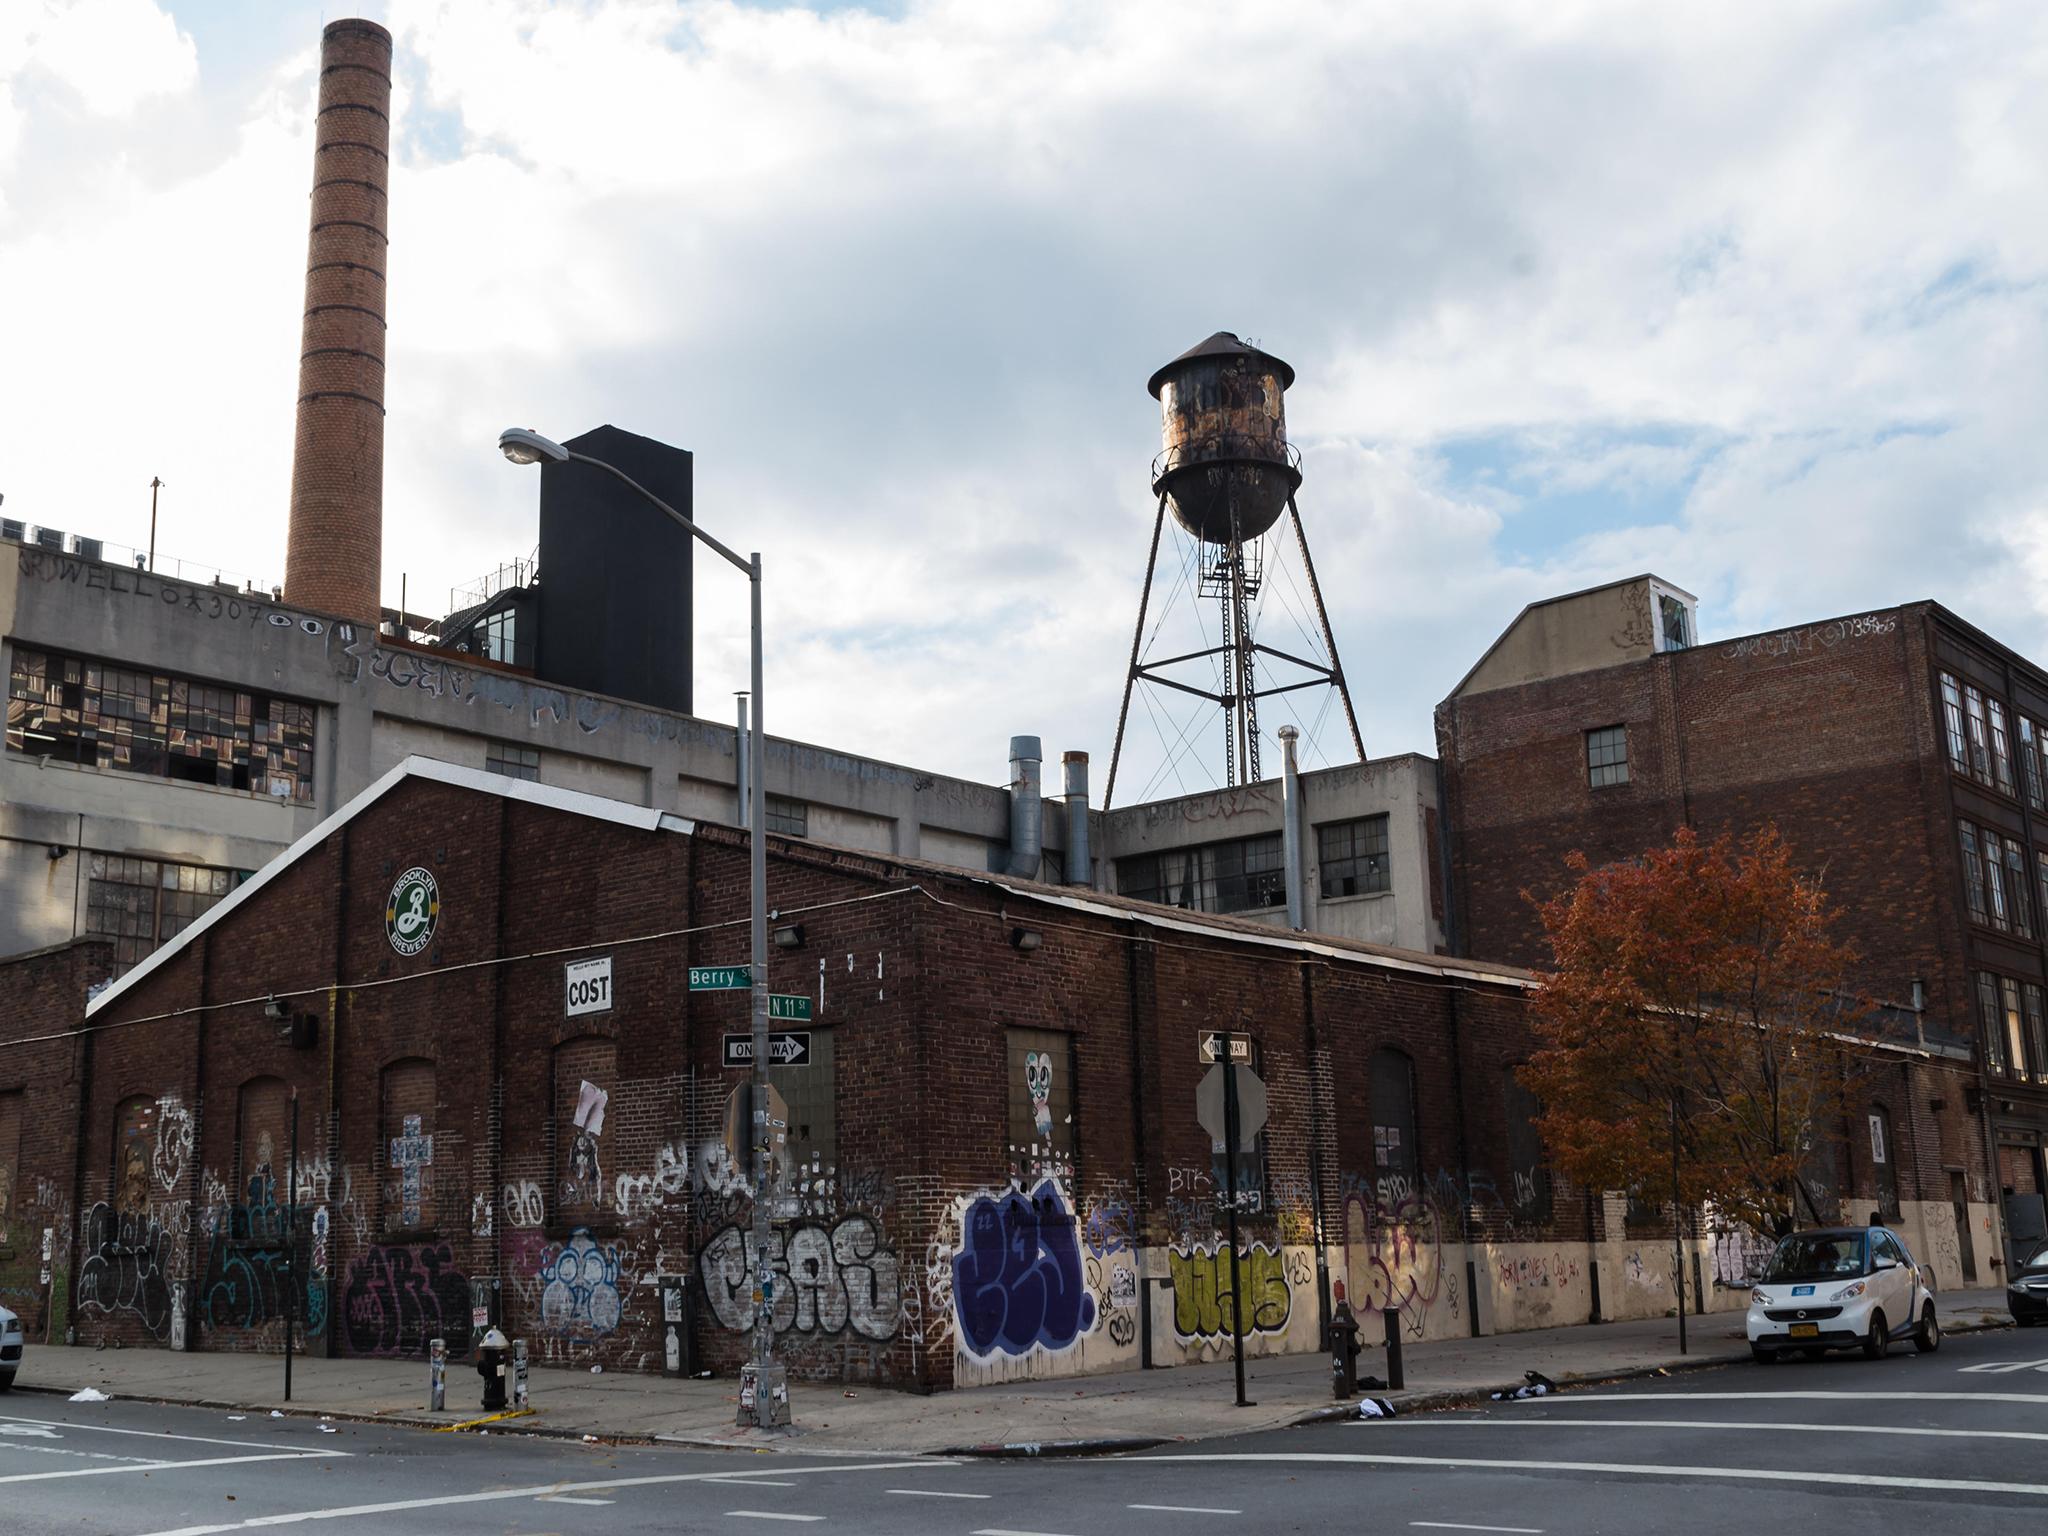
(585, 1075)
(1041, 1078)
(134, 1135)
(10, 1163)
(1391, 1085)
(1884, 1156)
(1528, 1189)
(807, 1093)
(408, 1145)
(262, 1144)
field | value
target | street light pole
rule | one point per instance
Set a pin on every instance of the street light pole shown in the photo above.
(522, 446)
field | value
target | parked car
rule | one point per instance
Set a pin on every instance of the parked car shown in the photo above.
(10, 1348)
(1842, 1288)
(2026, 1293)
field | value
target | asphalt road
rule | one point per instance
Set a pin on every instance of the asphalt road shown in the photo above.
(1953, 1442)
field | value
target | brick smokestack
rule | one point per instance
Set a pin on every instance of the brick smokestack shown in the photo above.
(334, 555)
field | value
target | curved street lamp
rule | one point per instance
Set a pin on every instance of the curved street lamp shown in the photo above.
(523, 445)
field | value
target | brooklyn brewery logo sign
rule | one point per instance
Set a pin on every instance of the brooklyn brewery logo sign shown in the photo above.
(413, 912)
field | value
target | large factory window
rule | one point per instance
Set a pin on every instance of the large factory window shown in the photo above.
(513, 762)
(1246, 875)
(790, 818)
(142, 903)
(1352, 856)
(103, 716)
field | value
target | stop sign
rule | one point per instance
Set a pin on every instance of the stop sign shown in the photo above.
(1251, 1105)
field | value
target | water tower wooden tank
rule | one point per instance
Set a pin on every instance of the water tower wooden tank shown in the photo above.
(1228, 473)
(1225, 466)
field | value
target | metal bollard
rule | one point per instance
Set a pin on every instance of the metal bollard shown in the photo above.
(519, 1373)
(1395, 1380)
(437, 1388)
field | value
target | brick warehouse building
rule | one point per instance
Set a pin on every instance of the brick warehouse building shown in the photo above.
(994, 1166)
(1896, 751)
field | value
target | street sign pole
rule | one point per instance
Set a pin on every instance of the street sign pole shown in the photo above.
(1230, 1195)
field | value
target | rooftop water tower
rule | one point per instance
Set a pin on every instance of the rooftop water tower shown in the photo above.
(1228, 474)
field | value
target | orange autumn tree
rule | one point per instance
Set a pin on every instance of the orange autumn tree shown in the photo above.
(1693, 1029)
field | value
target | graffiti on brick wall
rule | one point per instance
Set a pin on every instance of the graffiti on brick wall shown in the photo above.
(1543, 1272)
(1813, 637)
(525, 1206)
(826, 1280)
(123, 1269)
(645, 1193)
(580, 1300)
(1394, 1237)
(584, 1184)
(173, 1150)
(1739, 1255)
(1639, 1273)
(249, 1274)
(1111, 1224)
(398, 1298)
(1017, 1282)
(1204, 1299)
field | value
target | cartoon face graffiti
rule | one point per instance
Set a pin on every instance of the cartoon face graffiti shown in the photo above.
(1038, 1081)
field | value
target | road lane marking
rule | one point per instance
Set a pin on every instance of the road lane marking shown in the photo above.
(563, 1498)
(169, 1466)
(1452, 1525)
(1618, 1468)
(2003, 1367)
(1760, 1426)
(1803, 1396)
(147, 1434)
(1185, 1509)
(935, 1493)
(769, 1514)
(998, 1531)
(747, 1480)
(495, 1495)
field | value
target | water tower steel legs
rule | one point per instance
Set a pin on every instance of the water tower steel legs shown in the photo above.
(1137, 639)
(1315, 592)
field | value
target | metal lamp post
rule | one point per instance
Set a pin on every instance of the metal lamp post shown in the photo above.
(523, 446)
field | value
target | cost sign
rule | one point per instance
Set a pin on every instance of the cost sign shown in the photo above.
(590, 986)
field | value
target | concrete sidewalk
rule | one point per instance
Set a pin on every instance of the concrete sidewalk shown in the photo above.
(1091, 1412)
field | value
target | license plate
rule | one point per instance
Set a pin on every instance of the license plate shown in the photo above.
(1805, 1330)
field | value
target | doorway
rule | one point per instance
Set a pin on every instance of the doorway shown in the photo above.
(1959, 1199)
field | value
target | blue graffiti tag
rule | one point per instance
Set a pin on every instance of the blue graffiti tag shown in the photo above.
(1017, 1278)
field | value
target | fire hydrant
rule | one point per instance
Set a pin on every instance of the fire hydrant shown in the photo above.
(1344, 1351)
(490, 1364)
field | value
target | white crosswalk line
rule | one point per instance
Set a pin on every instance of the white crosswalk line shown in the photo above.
(1754, 1426)
(937, 1493)
(1453, 1525)
(770, 1514)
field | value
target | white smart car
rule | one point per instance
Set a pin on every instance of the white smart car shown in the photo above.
(1841, 1288)
(10, 1348)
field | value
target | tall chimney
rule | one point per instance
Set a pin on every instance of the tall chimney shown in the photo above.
(334, 555)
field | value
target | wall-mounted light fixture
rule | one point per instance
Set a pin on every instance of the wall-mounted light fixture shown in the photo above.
(1026, 939)
(272, 1008)
(789, 936)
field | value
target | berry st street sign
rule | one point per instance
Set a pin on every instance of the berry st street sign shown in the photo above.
(786, 1048)
(721, 978)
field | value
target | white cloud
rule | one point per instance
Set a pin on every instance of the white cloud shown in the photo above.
(1768, 279)
(112, 54)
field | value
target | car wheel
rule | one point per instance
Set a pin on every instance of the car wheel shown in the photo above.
(1763, 1356)
(1927, 1337)
(1879, 1339)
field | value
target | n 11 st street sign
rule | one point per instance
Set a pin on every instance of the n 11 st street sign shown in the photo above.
(792, 1007)
(786, 1048)
(1210, 1049)
(721, 978)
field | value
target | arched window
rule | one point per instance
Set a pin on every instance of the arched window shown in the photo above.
(1884, 1158)
(584, 1078)
(1390, 1085)
(134, 1137)
(1527, 1190)
(408, 1145)
(262, 1151)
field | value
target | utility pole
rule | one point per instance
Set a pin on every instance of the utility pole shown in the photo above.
(1677, 1230)
(155, 484)
(291, 1250)
(1230, 1197)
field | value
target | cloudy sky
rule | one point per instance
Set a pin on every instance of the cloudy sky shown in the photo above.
(1748, 294)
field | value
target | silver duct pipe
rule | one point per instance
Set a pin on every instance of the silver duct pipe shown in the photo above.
(1027, 807)
(1080, 867)
(1290, 828)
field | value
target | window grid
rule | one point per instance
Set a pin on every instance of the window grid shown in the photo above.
(142, 903)
(1994, 878)
(2031, 743)
(1351, 857)
(1246, 875)
(1973, 871)
(1989, 1022)
(2016, 889)
(2015, 1038)
(513, 762)
(1607, 756)
(1980, 744)
(1952, 714)
(128, 721)
(787, 817)
(2001, 746)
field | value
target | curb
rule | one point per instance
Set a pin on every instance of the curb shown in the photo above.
(1105, 1446)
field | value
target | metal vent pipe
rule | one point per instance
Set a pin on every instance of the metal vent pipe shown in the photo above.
(1290, 829)
(1027, 807)
(1080, 868)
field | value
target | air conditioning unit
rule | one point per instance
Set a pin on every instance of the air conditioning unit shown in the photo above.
(84, 548)
(13, 528)
(50, 538)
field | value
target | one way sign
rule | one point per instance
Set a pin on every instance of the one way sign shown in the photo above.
(1211, 1047)
(786, 1048)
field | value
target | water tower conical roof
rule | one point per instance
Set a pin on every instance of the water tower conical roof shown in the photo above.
(1222, 344)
